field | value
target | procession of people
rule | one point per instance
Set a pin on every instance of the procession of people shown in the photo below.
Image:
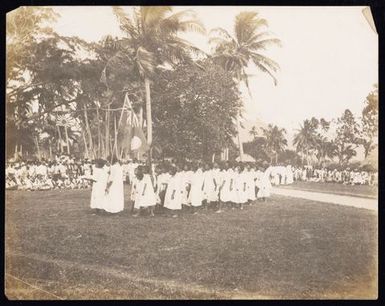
(171, 186)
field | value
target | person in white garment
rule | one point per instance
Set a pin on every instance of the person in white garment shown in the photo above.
(144, 194)
(185, 176)
(225, 189)
(265, 185)
(240, 179)
(289, 175)
(196, 192)
(258, 179)
(114, 192)
(209, 195)
(99, 183)
(217, 181)
(173, 196)
(161, 184)
(249, 174)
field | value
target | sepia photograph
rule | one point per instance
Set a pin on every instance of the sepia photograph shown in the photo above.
(191, 153)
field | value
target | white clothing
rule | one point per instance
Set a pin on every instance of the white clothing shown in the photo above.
(100, 176)
(228, 188)
(209, 192)
(114, 199)
(250, 184)
(265, 186)
(196, 191)
(173, 197)
(144, 195)
(240, 181)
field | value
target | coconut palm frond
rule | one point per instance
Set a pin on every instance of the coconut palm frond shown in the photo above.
(267, 62)
(265, 70)
(246, 25)
(222, 33)
(125, 23)
(145, 61)
(262, 44)
(152, 15)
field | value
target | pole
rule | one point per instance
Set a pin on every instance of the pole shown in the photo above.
(38, 148)
(85, 143)
(60, 139)
(99, 131)
(15, 155)
(141, 116)
(149, 119)
(116, 138)
(67, 140)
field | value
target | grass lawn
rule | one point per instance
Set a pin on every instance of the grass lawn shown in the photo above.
(285, 248)
(335, 188)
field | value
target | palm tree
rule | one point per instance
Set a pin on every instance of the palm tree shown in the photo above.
(236, 52)
(325, 149)
(305, 138)
(275, 140)
(152, 41)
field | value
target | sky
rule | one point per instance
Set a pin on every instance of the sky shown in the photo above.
(328, 58)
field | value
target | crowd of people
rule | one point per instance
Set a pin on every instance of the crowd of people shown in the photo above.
(346, 176)
(170, 185)
(65, 172)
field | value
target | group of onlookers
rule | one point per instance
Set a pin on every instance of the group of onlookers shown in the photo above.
(346, 176)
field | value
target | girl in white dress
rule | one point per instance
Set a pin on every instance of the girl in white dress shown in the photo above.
(99, 183)
(217, 182)
(240, 179)
(226, 189)
(144, 195)
(250, 183)
(209, 194)
(196, 192)
(162, 182)
(185, 177)
(114, 198)
(290, 174)
(265, 185)
(173, 196)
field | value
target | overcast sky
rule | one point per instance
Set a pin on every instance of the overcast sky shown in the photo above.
(328, 58)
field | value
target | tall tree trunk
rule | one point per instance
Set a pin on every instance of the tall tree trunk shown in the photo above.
(67, 140)
(88, 132)
(21, 150)
(50, 150)
(148, 117)
(239, 139)
(276, 158)
(99, 132)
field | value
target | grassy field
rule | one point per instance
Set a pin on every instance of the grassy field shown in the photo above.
(365, 191)
(56, 248)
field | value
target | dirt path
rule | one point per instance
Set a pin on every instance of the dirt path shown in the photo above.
(353, 201)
